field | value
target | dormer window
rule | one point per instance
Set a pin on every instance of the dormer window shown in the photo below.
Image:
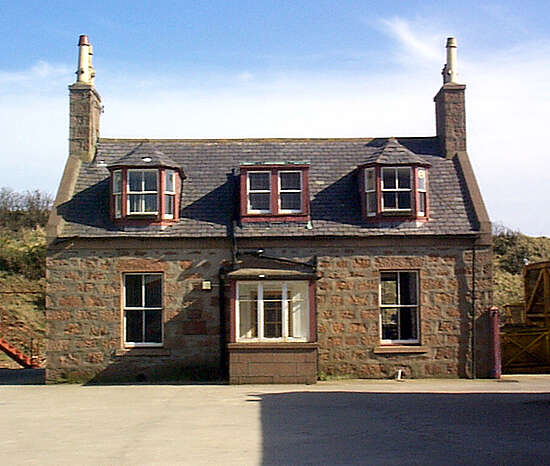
(396, 189)
(142, 192)
(274, 192)
(398, 192)
(145, 186)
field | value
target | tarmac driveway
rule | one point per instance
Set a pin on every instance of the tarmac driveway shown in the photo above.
(352, 422)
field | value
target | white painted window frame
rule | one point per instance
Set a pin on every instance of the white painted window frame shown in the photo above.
(372, 191)
(117, 194)
(285, 313)
(400, 306)
(257, 191)
(141, 193)
(142, 308)
(397, 189)
(300, 191)
(171, 193)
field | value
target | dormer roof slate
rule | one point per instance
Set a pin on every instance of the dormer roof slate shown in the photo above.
(144, 154)
(391, 152)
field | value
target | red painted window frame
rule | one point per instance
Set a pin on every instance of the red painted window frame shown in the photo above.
(390, 216)
(144, 219)
(274, 214)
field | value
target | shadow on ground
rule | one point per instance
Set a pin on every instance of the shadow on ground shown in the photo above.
(22, 376)
(404, 429)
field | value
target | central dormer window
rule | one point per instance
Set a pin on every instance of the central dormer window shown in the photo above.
(270, 192)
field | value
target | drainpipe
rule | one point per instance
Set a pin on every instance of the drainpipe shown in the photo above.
(473, 343)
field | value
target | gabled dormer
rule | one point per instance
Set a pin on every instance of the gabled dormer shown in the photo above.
(145, 187)
(393, 184)
(274, 191)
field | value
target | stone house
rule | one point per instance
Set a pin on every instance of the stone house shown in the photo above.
(267, 260)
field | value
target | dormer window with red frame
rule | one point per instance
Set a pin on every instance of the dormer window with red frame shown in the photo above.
(398, 192)
(393, 184)
(274, 192)
(145, 186)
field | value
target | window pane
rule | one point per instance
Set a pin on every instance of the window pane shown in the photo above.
(291, 201)
(408, 324)
(135, 202)
(169, 180)
(134, 326)
(118, 206)
(389, 324)
(169, 204)
(421, 179)
(248, 319)
(390, 200)
(407, 288)
(298, 326)
(371, 202)
(404, 178)
(153, 326)
(153, 291)
(259, 201)
(422, 203)
(150, 178)
(150, 202)
(369, 184)
(258, 181)
(117, 182)
(135, 180)
(388, 281)
(388, 178)
(132, 285)
(290, 180)
(273, 311)
(404, 200)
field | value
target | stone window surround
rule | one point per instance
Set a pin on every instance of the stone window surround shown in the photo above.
(414, 213)
(275, 212)
(161, 216)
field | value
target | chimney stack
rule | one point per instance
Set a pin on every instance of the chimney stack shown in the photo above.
(85, 106)
(450, 112)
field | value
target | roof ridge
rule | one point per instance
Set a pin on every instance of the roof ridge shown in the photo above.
(237, 140)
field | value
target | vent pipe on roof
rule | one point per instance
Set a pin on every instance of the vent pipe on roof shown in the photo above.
(84, 72)
(450, 70)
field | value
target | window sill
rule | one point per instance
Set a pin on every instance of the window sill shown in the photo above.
(141, 351)
(279, 217)
(267, 345)
(395, 349)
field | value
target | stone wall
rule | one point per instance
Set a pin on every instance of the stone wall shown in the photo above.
(348, 312)
(84, 316)
(84, 313)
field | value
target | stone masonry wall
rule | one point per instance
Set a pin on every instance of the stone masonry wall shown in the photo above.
(84, 315)
(348, 310)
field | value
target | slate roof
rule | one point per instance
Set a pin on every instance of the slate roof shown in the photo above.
(145, 154)
(210, 192)
(392, 152)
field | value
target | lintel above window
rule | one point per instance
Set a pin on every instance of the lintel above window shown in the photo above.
(278, 191)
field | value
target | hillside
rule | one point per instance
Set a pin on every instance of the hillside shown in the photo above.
(22, 264)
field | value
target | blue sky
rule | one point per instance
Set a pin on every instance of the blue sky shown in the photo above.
(187, 69)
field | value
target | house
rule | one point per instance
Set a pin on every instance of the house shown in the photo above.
(267, 260)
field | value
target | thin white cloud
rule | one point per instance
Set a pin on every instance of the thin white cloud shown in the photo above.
(39, 73)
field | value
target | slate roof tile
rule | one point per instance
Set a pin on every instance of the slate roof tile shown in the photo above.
(209, 194)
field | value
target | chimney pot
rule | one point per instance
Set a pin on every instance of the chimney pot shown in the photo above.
(83, 40)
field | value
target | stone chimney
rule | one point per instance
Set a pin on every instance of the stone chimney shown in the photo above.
(85, 106)
(450, 112)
